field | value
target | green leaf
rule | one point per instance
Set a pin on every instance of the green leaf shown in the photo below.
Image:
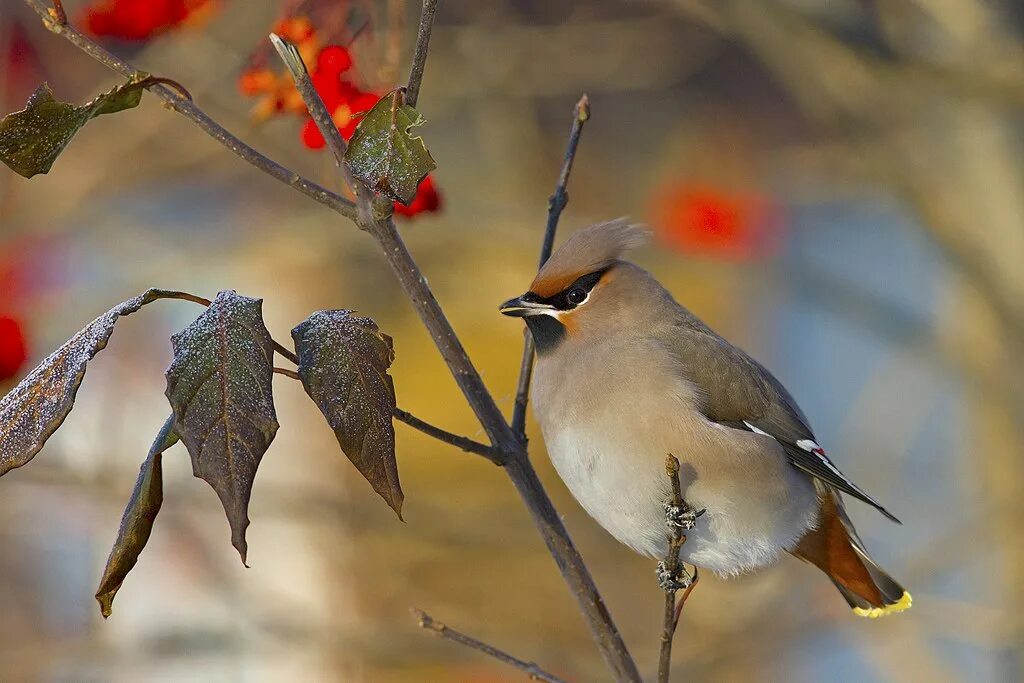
(343, 363)
(219, 385)
(33, 138)
(37, 407)
(384, 155)
(137, 521)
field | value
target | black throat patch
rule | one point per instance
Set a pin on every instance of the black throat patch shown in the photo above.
(547, 332)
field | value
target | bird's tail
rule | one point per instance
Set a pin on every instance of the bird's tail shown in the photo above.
(834, 547)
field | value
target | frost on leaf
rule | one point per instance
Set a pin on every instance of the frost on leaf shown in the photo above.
(219, 385)
(34, 409)
(33, 138)
(343, 363)
(138, 518)
(383, 153)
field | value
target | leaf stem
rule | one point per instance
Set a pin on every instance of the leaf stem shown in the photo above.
(184, 296)
(287, 373)
(556, 204)
(532, 670)
(462, 442)
(419, 57)
(286, 352)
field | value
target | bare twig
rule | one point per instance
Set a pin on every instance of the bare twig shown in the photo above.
(673, 566)
(419, 57)
(317, 109)
(186, 108)
(532, 670)
(556, 204)
(508, 449)
(462, 442)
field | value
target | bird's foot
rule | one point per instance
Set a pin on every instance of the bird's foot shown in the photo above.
(670, 581)
(681, 516)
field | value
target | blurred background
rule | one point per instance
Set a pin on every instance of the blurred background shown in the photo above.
(837, 186)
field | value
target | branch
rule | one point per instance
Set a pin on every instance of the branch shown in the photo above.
(532, 670)
(556, 203)
(672, 567)
(189, 110)
(462, 442)
(508, 449)
(419, 57)
(287, 373)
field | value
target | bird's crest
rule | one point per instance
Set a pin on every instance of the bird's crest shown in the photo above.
(588, 250)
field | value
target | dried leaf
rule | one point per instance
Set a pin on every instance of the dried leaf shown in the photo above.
(33, 138)
(137, 521)
(219, 385)
(384, 155)
(343, 363)
(34, 409)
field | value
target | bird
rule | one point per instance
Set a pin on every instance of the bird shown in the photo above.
(626, 375)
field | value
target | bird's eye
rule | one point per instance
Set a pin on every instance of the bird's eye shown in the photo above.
(576, 296)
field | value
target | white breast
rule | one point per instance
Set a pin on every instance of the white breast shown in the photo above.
(608, 441)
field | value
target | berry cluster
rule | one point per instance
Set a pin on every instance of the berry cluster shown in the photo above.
(332, 77)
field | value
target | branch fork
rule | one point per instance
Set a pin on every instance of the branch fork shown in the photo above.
(508, 447)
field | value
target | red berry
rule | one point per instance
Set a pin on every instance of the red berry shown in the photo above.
(334, 59)
(13, 351)
(427, 200)
(311, 136)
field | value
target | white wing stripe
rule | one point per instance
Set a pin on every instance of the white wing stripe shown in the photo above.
(812, 447)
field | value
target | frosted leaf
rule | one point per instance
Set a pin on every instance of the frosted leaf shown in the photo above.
(343, 363)
(138, 518)
(384, 155)
(219, 385)
(34, 409)
(33, 138)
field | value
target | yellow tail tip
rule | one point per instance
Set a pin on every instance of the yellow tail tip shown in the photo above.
(903, 603)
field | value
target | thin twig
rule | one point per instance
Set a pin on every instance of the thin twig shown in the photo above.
(532, 670)
(365, 208)
(314, 103)
(419, 57)
(462, 442)
(673, 565)
(556, 204)
(508, 447)
(287, 373)
(189, 110)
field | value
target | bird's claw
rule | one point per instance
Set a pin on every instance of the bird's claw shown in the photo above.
(681, 516)
(670, 581)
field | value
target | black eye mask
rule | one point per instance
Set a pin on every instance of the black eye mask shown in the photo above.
(570, 297)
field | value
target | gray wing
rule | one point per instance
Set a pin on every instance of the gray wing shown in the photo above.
(740, 393)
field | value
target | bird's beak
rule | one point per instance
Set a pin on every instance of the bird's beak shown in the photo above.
(519, 308)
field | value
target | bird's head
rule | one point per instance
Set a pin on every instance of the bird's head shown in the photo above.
(572, 293)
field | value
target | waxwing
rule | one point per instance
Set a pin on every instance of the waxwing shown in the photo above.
(625, 375)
